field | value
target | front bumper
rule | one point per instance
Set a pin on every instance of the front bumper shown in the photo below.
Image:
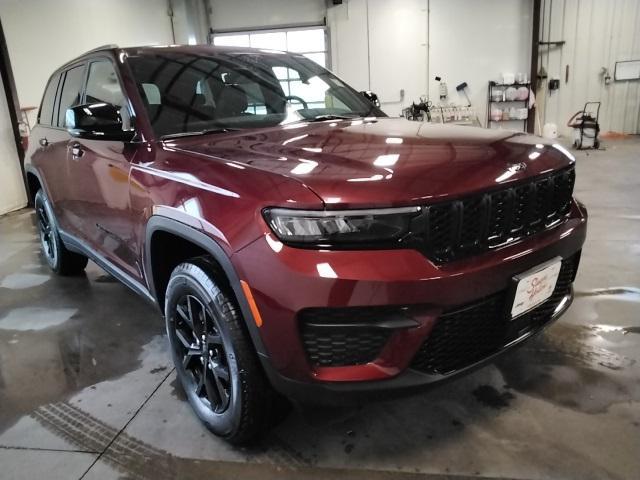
(286, 282)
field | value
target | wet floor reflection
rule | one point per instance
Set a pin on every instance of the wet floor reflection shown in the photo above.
(59, 335)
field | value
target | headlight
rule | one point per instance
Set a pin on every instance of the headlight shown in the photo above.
(340, 228)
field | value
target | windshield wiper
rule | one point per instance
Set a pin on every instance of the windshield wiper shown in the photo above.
(198, 132)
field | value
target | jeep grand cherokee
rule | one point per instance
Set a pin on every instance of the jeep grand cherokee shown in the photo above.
(297, 240)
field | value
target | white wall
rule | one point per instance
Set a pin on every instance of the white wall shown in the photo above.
(190, 22)
(12, 194)
(476, 41)
(597, 34)
(44, 34)
(381, 45)
(468, 41)
(250, 14)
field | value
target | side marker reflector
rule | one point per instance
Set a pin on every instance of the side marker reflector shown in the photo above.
(252, 303)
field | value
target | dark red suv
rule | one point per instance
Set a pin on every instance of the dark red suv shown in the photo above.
(296, 239)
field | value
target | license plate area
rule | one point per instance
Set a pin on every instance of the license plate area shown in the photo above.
(531, 288)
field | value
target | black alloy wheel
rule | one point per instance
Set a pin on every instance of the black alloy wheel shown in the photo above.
(60, 259)
(48, 236)
(203, 353)
(216, 362)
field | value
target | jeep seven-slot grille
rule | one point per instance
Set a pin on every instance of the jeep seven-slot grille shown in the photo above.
(474, 224)
(466, 335)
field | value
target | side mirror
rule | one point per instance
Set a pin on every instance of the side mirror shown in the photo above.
(372, 97)
(98, 121)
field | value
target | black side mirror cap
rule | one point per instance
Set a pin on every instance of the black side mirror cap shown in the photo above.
(98, 121)
(372, 97)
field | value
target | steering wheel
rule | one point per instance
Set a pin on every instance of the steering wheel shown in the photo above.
(298, 99)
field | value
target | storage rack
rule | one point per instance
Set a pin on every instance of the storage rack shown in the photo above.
(493, 85)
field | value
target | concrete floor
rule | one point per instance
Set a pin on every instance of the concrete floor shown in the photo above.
(87, 389)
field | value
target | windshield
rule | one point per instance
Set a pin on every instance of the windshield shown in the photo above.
(195, 92)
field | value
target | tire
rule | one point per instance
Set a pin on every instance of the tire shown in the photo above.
(223, 382)
(60, 260)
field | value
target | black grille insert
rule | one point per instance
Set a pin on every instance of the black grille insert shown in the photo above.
(336, 337)
(468, 334)
(477, 223)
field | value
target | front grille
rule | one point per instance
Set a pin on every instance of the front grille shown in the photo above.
(474, 224)
(335, 337)
(468, 334)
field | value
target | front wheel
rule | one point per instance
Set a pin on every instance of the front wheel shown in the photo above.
(214, 358)
(60, 260)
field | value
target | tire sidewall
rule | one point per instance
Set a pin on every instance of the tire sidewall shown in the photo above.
(191, 279)
(42, 200)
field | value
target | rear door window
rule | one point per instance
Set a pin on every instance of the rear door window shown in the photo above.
(71, 90)
(46, 108)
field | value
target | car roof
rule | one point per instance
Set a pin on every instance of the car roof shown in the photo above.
(151, 49)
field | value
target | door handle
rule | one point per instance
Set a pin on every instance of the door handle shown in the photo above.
(76, 151)
(43, 142)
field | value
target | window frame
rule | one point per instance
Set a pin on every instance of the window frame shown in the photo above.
(105, 57)
(65, 72)
(55, 98)
(85, 83)
(285, 29)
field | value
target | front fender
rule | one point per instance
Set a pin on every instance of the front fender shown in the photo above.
(159, 223)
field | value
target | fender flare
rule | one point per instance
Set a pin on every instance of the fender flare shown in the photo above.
(158, 223)
(29, 169)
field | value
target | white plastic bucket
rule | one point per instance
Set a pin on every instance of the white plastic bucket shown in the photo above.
(550, 130)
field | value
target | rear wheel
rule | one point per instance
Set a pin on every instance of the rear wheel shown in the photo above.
(214, 358)
(60, 260)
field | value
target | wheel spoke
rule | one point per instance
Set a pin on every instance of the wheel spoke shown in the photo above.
(221, 372)
(200, 386)
(184, 314)
(190, 355)
(183, 339)
(216, 391)
(212, 393)
(190, 314)
(42, 217)
(202, 352)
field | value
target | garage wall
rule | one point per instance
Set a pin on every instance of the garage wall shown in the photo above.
(597, 34)
(190, 22)
(43, 34)
(475, 42)
(469, 41)
(381, 45)
(251, 14)
(12, 193)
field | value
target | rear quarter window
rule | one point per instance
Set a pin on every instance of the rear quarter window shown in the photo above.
(45, 116)
(71, 89)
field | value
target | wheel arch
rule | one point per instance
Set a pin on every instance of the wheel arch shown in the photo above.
(34, 182)
(158, 224)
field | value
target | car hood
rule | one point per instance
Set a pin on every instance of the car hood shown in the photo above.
(385, 161)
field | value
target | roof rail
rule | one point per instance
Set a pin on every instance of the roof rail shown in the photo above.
(109, 46)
